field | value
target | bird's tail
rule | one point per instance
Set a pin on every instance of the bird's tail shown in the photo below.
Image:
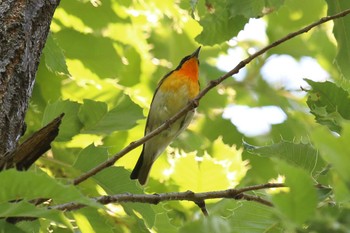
(141, 170)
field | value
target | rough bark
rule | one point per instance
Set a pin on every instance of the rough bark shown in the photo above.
(24, 26)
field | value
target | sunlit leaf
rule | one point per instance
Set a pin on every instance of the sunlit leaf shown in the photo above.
(70, 125)
(97, 120)
(90, 220)
(54, 57)
(199, 176)
(96, 53)
(113, 180)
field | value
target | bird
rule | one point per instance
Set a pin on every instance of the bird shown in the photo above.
(173, 93)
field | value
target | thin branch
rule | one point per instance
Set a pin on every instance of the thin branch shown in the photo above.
(194, 103)
(197, 198)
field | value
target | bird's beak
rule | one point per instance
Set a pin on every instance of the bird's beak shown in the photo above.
(196, 53)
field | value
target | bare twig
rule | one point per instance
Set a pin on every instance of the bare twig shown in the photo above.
(194, 103)
(197, 198)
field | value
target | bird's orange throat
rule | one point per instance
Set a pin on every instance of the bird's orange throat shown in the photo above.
(190, 69)
(186, 76)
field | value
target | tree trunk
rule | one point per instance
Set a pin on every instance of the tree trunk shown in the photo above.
(24, 26)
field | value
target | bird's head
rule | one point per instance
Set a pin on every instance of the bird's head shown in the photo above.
(189, 65)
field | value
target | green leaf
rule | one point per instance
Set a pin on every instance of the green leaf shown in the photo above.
(90, 157)
(70, 125)
(207, 225)
(91, 113)
(342, 35)
(249, 9)
(250, 217)
(97, 120)
(25, 209)
(299, 203)
(54, 58)
(334, 150)
(329, 103)
(302, 155)
(162, 224)
(30, 185)
(236, 217)
(205, 175)
(9, 227)
(254, 8)
(98, 55)
(219, 26)
(130, 73)
(91, 220)
(125, 115)
(96, 16)
(231, 157)
(224, 19)
(113, 180)
(291, 17)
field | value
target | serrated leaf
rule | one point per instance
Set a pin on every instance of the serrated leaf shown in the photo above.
(299, 203)
(250, 217)
(31, 185)
(113, 180)
(241, 217)
(342, 35)
(220, 26)
(54, 57)
(329, 104)
(97, 120)
(206, 175)
(70, 125)
(301, 155)
(231, 157)
(162, 224)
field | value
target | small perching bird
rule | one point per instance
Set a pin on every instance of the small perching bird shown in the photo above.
(173, 93)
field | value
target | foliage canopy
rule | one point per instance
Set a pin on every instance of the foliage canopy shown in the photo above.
(101, 65)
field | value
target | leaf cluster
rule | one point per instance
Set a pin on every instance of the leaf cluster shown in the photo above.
(101, 65)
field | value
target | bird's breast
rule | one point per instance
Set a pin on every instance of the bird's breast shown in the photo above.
(180, 86)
